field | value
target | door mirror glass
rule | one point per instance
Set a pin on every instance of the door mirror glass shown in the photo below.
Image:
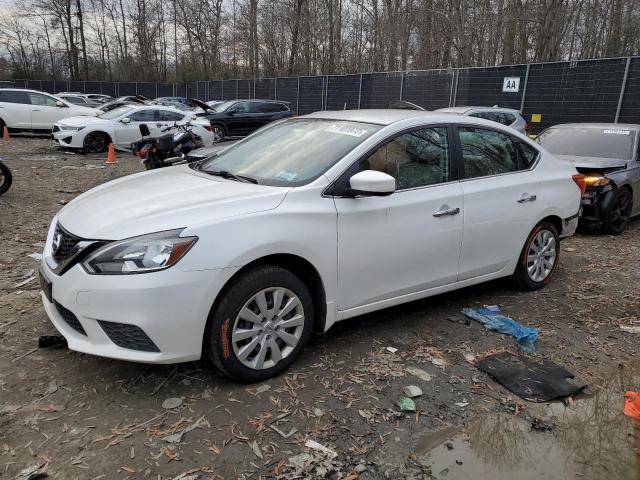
(372, 183)
(60, 104)
(125, 120)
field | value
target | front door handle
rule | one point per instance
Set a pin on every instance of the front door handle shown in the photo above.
(525, 197)
(445, 210)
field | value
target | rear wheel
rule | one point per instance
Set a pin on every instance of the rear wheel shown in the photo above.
(260, 325)
(5, 178)
(218, 133)
(539, 257)
(96, 142)
(616, 215)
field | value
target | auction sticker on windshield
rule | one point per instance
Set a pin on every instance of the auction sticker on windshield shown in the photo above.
(342, 130)
(618, 132)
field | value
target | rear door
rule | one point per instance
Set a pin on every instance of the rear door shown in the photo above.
(45, 111)
(126, 133)
(500, 200)
(15, 109)
(408, 241)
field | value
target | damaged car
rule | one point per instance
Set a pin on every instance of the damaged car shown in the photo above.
(607, 155)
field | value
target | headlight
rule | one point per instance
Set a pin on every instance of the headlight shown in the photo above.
(68, 128)
(147, 253)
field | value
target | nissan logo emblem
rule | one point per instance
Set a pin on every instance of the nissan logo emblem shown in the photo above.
(57, 240)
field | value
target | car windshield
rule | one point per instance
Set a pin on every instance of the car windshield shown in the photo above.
(223, 106)
(116, 112)
(291, 153)
(611, 142)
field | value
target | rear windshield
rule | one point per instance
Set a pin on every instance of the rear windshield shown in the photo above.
(293, 152)
(589, 142)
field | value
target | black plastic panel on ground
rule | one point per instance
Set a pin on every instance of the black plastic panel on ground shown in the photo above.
(288, 91)
(429, 89)
(229, 89)
(265, 88)
(343, 92)
(483, 87)
(379, 89)
(574, 92)
(630, 111)
(311, 95)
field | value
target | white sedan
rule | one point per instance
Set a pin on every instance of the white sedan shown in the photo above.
(121, 126)
(307, 222)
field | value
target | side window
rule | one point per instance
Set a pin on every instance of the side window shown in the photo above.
(144, 116)
(43, 100)
(12, 96)
(75, 100)
(486, 152)
(170, 116)
(493, 116)
(239, 107)
(528, 155)
(414, 159)
(507, 118)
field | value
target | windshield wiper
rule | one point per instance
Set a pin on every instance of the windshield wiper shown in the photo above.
(230, 176)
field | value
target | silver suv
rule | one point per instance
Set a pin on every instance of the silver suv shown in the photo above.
(506, 116)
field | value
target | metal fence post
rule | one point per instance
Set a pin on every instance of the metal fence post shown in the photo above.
(298, 98)
(222, 89)
(453, 77)
(275, 89)
(360, 93)
(401, 85)
(455, 90)
(136, 88)
(524, 89)
(622, 89)
(237, 86)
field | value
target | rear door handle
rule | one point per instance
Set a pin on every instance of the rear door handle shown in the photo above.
(525, 197)
(445, 210)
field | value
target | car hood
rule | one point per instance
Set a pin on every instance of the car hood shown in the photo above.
(596, 163)
(85, 111)
(163, 199)
(80, 121)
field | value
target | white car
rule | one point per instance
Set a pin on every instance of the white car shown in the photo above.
(31, 110)
(505, 116)
(307, 222)
(121, 126)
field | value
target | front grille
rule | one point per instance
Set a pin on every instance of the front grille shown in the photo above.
(63, 244)
(70, 318)
(128, 336)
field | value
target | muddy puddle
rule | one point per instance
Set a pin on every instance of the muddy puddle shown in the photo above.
(589, 439)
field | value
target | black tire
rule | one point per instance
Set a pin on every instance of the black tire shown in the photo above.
(521, 277)
(2, 125)
(96, 142)
(617, 213)
(219, 133)
(5, 178)
(218, 343)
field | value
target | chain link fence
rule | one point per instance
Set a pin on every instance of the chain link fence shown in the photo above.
(606, 90)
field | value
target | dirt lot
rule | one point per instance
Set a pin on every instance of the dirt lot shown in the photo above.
(85, 417)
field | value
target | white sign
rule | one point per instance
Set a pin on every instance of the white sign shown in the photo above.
(511, 84)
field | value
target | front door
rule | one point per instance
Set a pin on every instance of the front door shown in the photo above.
(410, 240)
(127, 133)
(501, 199)
(45, 111)
(239, 119)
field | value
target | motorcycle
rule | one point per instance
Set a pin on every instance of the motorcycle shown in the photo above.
(5, 178)
(166, 150)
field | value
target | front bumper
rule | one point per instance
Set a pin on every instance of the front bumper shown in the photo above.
(169, 307)
(68, 138)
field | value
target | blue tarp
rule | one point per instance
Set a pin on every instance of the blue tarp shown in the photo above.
(526, 336)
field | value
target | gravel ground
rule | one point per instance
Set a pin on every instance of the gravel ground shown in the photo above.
(79, 416)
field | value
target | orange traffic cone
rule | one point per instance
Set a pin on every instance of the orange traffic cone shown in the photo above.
(5, 134)
(111, 156)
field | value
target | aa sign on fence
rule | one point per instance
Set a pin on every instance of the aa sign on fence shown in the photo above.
(511, 84)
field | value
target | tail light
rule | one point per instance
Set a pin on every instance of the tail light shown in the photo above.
(581, 181)
(208, 128)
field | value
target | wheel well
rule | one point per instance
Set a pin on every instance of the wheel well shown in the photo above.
(221, 125)
(102, 133)
(627, 187)
(300, 267)
(556, 221)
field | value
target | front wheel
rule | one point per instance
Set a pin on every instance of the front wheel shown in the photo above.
(218, 133)
(616, 215)
(261, 324)
(95, 142)
(539, 257)
(5, 178)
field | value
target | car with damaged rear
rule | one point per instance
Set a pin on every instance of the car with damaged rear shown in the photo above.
(607, 155)
(307, 222)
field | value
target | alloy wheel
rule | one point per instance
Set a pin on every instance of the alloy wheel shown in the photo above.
(541, 256)
(218, 134)
(95, 143)
(621, 211)
(267, 328)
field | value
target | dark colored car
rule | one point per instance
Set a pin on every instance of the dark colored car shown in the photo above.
(608, 157)
(238, 118)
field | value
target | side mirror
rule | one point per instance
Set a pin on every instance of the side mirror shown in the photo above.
(125, 120)
(372, 183)
(60, 104)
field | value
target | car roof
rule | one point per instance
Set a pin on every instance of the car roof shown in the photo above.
(613, 126)
(388, 116)
(462, 110)
(256, 100)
